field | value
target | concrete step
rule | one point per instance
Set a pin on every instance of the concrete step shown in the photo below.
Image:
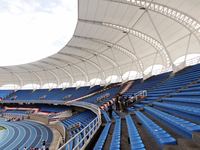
(171, 147)
(186, 144)
(196, 137)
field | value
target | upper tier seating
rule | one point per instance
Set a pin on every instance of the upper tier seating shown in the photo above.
(94, 99)
(139, 85)
(135, 139)
(176, 82)
(54, 94)
(5, 93)
(181, 126)
(17, 112)
(53, 109)
(160, 135)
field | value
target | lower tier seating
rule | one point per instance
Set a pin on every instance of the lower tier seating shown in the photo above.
(160, 135)
(181, 126)
(100, 143)
(191, 113)
(135, 139)
(115, 142)
(107, 118)
(81, 119)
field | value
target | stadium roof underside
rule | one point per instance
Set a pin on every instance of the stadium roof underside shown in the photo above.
(113, 37)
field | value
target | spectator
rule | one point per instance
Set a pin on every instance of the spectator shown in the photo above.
(43, 145)
(110, 110)
(120, 103)
(117, 102)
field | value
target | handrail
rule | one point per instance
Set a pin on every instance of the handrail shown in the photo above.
(86, 105)
(141, 93)
(138, 94)
(88, 131)
(88, 134)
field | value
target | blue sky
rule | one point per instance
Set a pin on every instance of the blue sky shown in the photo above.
(34, 29)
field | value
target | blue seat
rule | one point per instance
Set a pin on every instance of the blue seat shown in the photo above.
(101, 141)
(185, 109)
(185, 100)
(115, 142)
(160, 135)
(107, 118)
(181, 126)
(135, 139)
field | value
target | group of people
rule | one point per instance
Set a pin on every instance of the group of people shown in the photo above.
(11, 118)
(121, 104)
(42, 148)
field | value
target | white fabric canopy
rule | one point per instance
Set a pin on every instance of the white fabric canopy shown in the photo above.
(113, 37)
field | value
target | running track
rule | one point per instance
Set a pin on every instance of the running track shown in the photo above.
(23, 133)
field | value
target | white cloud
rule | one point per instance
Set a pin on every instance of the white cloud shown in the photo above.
(33, 29)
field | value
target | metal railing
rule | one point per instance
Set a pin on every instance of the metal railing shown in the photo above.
(138, 94)
(141, 93)
(81, 139)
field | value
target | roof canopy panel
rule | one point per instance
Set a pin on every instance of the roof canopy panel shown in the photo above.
(115, 37)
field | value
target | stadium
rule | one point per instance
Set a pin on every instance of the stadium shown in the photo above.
(100, 75)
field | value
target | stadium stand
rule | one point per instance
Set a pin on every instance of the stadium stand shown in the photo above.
(115, 142)
(103, 97)
(160, 135)
(5, 93)
(101, 141)
(147, 84)
(81, 119)
(54, 94)
(136, 60)
(135, 139)
(180, 126)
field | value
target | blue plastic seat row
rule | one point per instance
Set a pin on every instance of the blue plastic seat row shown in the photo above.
(181, 126)
(94, 99)
(101, 141)
(84, 118)
(160, 135)
(182, 100)
(107, 118)
(191, 93)
(115, 116)
(195, 87)
(115, 142)
(147, 84)
(185, 109)
(187, 112)
(135, 139)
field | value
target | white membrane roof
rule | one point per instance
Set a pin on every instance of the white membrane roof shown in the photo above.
(113, 37)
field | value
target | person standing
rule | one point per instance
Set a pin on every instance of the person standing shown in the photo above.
(117, 102)
(43, 145)
(110, 109)
(120, 103)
